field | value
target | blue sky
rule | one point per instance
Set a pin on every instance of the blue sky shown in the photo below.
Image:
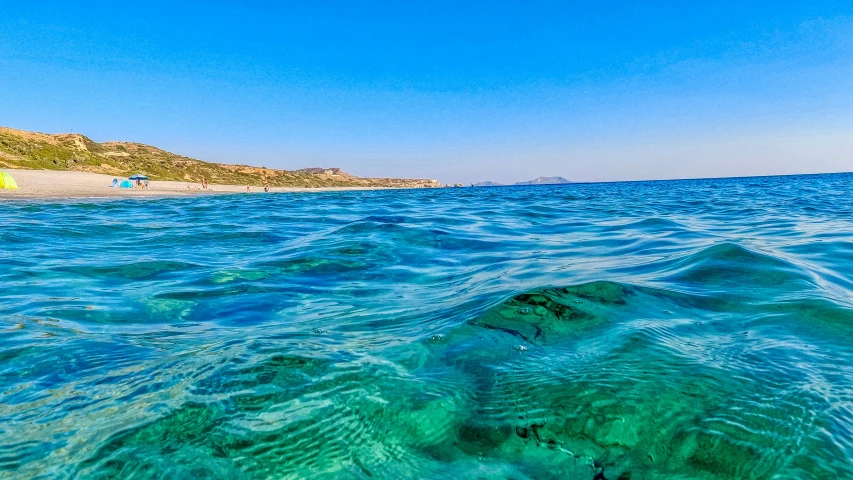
(457, 91)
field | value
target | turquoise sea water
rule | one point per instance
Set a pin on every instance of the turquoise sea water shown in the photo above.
(659, 330)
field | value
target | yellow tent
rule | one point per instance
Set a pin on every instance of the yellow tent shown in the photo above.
(7, 182)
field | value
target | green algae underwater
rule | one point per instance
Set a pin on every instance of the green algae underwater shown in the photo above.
(660, 330)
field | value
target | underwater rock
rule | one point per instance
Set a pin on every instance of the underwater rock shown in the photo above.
(629, 399)
(546, 315)
(479, 437)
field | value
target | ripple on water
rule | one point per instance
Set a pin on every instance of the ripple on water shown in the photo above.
(696, 329)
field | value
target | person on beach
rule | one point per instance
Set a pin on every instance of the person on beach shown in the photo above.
(266, 187)
(247, 189)
(204, 184)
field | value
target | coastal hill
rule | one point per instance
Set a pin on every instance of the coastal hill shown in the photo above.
(536, 181)
(75, 152)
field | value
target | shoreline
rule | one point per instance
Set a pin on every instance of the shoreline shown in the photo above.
(59, 184)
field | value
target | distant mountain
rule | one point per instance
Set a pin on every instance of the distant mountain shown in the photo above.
(487, 184)
(544, 181)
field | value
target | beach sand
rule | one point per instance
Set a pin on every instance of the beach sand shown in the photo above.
(67, 184)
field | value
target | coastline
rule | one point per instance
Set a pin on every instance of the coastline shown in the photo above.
(36, 184)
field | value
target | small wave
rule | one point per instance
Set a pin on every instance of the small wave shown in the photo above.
(733, 269)
(652, 225)
(134, 270)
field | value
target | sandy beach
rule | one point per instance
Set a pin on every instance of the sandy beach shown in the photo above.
(67, 184)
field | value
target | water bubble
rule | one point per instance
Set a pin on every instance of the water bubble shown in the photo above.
(525, 310)
(318, 330)
(520, 348)
(436, 338)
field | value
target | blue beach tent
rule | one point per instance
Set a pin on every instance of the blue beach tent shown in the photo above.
(115, 183)
(126, 184)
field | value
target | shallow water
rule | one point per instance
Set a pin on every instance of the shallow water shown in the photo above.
(658, 330)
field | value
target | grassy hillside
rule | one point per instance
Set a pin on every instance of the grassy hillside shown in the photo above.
(40, 151)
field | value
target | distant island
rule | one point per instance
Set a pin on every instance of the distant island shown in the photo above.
(544, 181)
(21, 149)
(536, 181)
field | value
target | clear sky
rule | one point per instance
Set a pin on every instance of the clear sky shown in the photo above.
(457, 91)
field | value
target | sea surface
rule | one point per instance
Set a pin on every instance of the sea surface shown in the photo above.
(657, 330)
